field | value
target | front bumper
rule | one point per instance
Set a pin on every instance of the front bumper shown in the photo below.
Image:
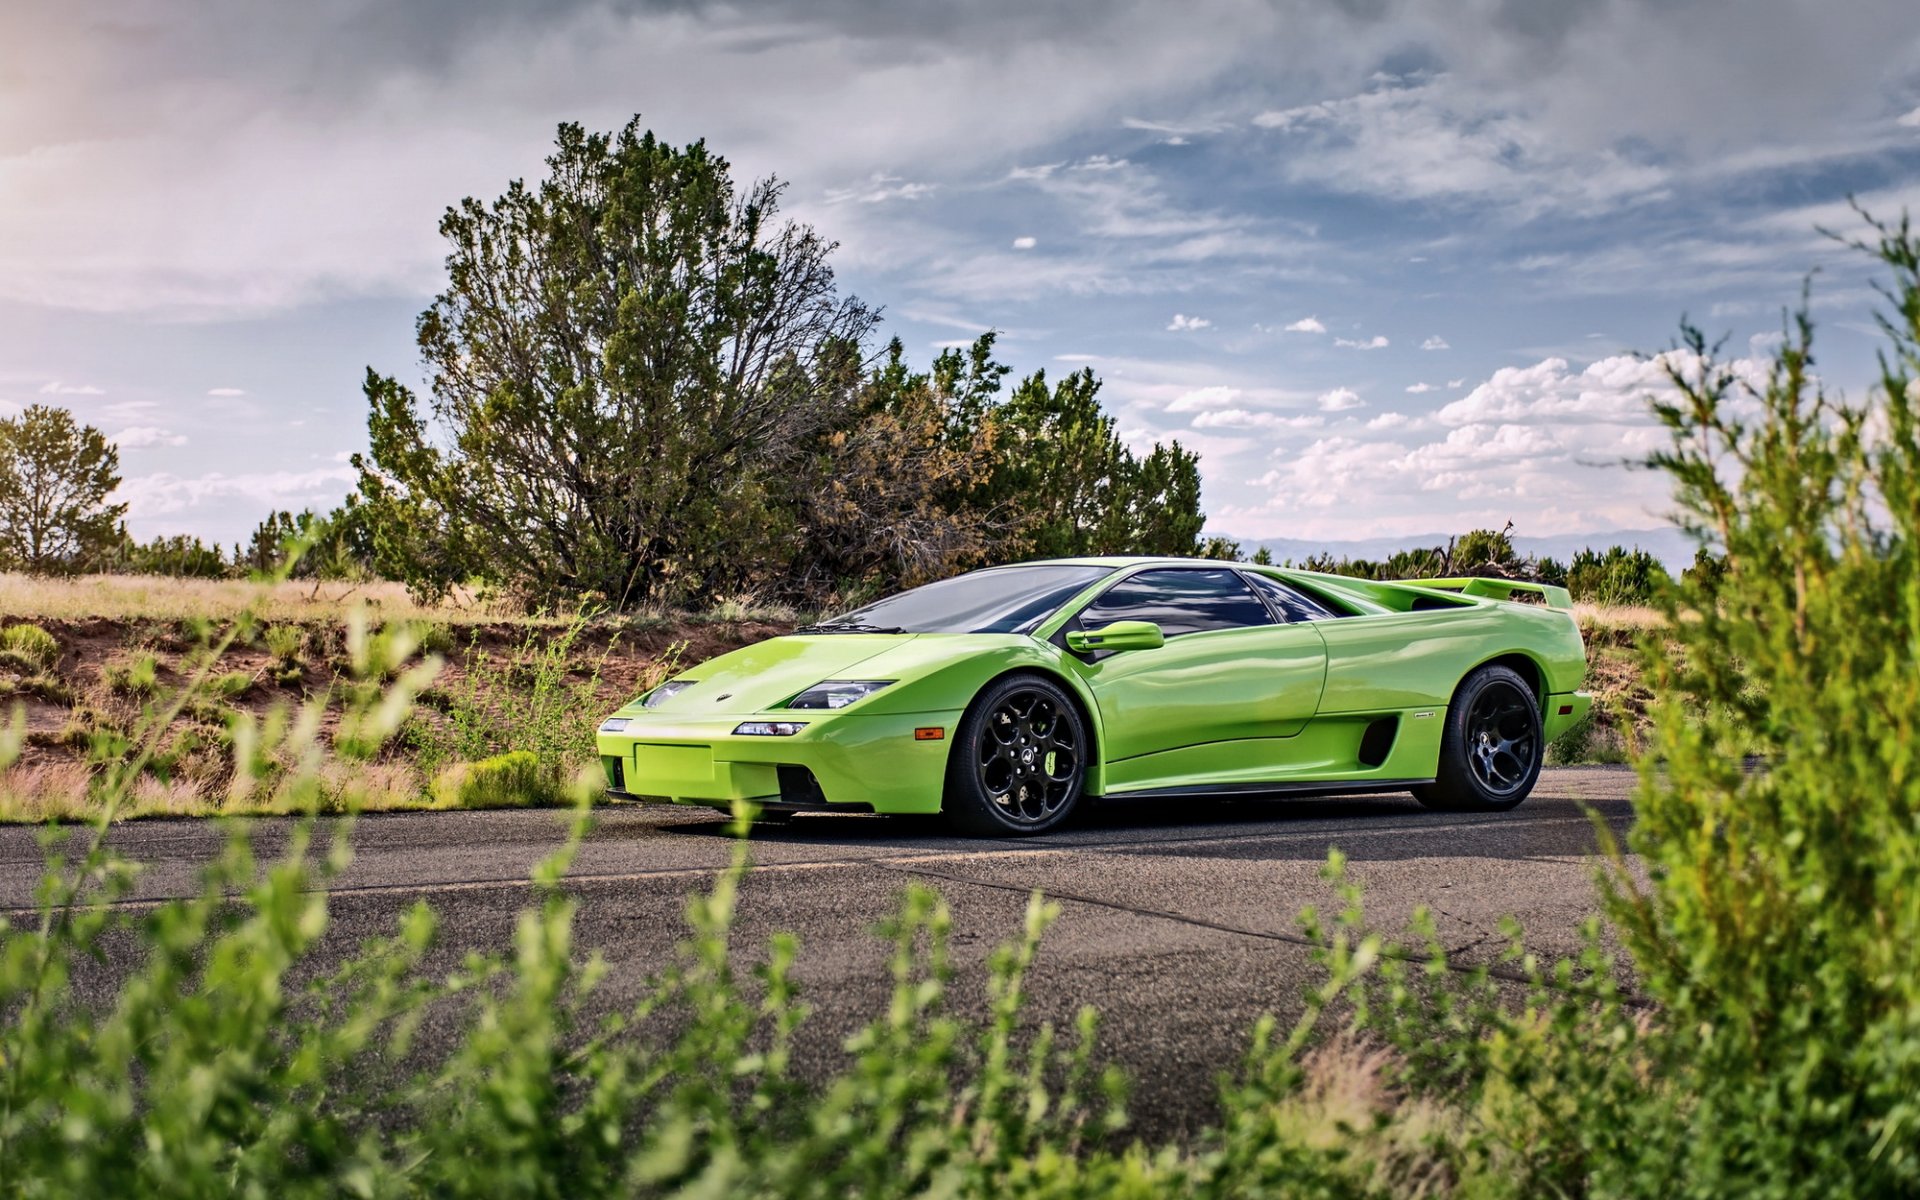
(850, 761)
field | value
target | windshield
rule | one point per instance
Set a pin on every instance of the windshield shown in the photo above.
(997, 600)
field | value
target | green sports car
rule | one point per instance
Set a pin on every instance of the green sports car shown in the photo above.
(1003, 697)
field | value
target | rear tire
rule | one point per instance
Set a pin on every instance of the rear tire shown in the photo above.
(1491, 747)
(1019, 760)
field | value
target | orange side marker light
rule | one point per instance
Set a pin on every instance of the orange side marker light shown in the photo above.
(933, 734)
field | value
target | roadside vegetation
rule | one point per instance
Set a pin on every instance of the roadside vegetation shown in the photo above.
(1745, 1019)
(83, 685)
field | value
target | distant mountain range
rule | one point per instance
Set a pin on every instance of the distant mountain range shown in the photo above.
(1669, 545)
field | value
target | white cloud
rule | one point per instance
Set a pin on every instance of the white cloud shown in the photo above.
(1420, 388)
(135, 436)
(1177, 132)
(1911, 120)
(1376, 342)
(1307, 325)
(163, 494)
(56, 388)
(226, 391)
(1240, 418)
(1389, 420)
(1024, 243)
(1182, 323)
(1436, 342)
(1340, 400)
(1443, 137)
(1611, 391)
(1099, 162)
(1200, 399)
(878, 188)
(1456, 383)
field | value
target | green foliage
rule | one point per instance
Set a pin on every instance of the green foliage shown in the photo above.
(646, 390)
(629, 359)
(139, 676)
(1618, 576)
(516, 779)
(1771, 1047)
(230, 685)
(180, 556)
(1783, 901)
(939, 472)
(287, 644)
(55, 478)
(1484, 552)
(308, 546)
(529, 698)
(28, 648)
(1074, 487)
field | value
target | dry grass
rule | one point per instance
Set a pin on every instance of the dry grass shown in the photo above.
(129, 597)
(161, 597)
(1617, 617)
(61, 791)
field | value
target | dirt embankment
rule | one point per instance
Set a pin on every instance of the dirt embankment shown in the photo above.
(97, 688)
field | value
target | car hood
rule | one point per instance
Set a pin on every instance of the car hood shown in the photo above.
(765, 675)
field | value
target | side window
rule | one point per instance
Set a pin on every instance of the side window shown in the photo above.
(1294, 606)
(1179, 601)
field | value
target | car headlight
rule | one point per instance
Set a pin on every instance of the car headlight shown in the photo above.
(769, 728)
(837, 693)
(615, 724)
(666, 691)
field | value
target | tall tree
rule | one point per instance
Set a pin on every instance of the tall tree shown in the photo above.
(55, 477)
(630, 358)
(1075, 488)
(886, 502)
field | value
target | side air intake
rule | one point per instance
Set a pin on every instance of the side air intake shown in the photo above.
(1377, 742)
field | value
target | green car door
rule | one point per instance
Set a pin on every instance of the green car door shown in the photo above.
(1214, 704)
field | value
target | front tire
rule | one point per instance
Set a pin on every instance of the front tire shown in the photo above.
(1491, 748)
(1019, 760)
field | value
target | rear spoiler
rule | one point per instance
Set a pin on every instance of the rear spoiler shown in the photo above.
(1499, 589)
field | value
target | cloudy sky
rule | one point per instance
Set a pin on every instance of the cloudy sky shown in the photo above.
(1384, 263)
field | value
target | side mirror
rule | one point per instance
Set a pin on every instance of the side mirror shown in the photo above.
(1121, 635)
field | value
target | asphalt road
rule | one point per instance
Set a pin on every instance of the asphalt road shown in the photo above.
(1177, 919)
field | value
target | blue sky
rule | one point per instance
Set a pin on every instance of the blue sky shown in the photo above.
(1384, 264)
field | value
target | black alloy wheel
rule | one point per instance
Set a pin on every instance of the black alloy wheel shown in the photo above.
(1491, 748)
(1019, 760)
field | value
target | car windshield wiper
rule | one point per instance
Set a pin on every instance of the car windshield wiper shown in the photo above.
(848, 627)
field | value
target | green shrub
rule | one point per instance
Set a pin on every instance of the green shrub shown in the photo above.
(139, 676)
(284, 642)
(517, 779)
(531, 697)
(1618, 576)
(231, 685)
(1773, 1046)
(28, 649)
